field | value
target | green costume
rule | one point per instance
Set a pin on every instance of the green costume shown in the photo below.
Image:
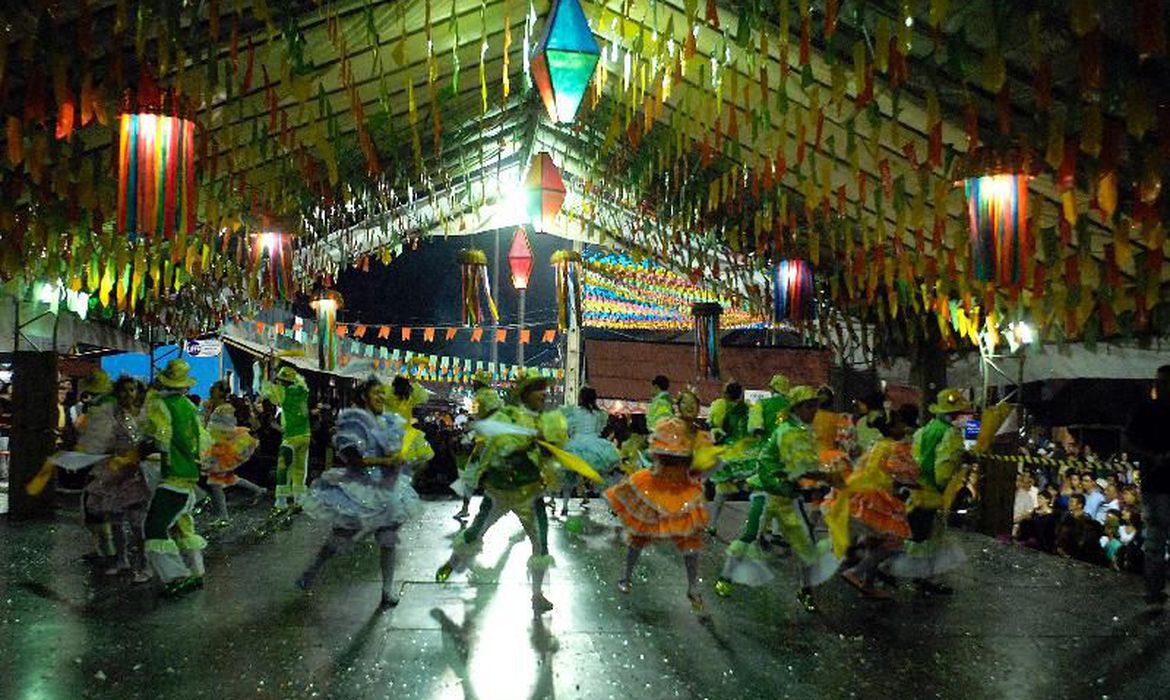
(789, 454)
(173, 548)
(292, 462)
(661, 406)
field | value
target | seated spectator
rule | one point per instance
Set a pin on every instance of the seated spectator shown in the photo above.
(1130, 534)
(1110, 540)
(1025, 502)
(1038, 529)
(1112, 503)
(1094, 497)
(1078, 536)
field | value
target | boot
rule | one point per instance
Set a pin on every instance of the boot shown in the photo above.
(389, 592)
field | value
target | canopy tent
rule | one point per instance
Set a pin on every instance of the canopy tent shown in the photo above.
(718, 140)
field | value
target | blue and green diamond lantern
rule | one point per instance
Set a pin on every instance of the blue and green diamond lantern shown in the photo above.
(563, 62)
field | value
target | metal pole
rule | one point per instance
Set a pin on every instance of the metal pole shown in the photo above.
(520, 331)
(573, 354)
(495, 350)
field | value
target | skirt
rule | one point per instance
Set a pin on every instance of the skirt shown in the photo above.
(116, 489)
(880, 511)
(364, 499)
(661, 504)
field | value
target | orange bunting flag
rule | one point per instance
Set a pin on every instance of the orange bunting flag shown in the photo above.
(501, 335)
(280, 328)
(359, 331)
(476, 335)
(451, 333)
(549, 336)
(260, 327)
(525, 336)
(429, 335)
(384, 332)
(342, 330)
(406, 332)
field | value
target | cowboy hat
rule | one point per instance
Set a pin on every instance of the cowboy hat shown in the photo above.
(287, 375)
(950, 400)
(526, 383)
(779, 384)
(801, 394)
(176, 375)
(97, 383)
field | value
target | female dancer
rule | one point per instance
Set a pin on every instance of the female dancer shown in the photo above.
(586, 421)
(371, 492)
(665, 503)
(229, 447)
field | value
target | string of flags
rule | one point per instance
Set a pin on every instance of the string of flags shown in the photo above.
(428, 334)
(417, 365)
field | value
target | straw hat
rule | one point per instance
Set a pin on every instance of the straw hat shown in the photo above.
(801, 394)
(97, 383)
(779, 384)
(287, 375)
(950, 400)
(176, 375)
(526, 383)
(671, 438)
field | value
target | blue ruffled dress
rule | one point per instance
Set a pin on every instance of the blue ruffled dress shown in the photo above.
(365, 498)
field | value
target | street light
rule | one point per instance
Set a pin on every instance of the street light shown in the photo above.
(520, 264)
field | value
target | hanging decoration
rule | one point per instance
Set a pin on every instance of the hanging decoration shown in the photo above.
(564, 59)
(520, 259)
(567, 265)
(997, 213)
(156, 175)
(476, 288)
(544, 192)
(706, 315)
(326, 303)
(272, 257)
(793, 292)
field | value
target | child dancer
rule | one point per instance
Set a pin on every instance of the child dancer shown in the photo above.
(586, 421)
(664, 503)
(371, 493)
(230, 446)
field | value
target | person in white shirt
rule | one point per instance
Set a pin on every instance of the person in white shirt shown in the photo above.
(1025, 503)
(1112, 501)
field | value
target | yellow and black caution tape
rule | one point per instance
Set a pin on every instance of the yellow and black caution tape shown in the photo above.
(1079, 464)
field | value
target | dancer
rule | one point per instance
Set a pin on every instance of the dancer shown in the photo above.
(371, 492)
(763, 417)
(665, 503)
(486, 402)
(513, 481)
(291, 394)
(869, 409)
(226, 448)
(868, 511)
(173, 548)
(586, 421)
(834, 432)
(115, 499)
(729, 418)
(661, 404)
(789, 457)
(938, 450)
(404, 396)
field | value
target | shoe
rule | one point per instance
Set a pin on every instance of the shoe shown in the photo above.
(723, 588)
(624, 585)
(462, 514)
(696, 602)
(117, 568)
(585, 504)
(443, 573)
(540, 604)
(854, 580)
(389, 600)
(141, 576)
(805, 598)
(564, 512)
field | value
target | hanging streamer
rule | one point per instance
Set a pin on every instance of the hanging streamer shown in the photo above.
(156, 175)
(326, 304)
(793, 291)
(567, 264)
(476, 288)
(706, 315)
(997, 212)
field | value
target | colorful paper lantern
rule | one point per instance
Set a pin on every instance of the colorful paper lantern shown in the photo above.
(326, 303)
(997, 213)
(544, 192)
(567, 264)
(564, 59)
(706, 315)
(476, 288)
(156, 175)
(794, 295)
(520, 259)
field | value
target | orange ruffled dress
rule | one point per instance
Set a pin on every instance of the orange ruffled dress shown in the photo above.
(880, 509)
(662, 503)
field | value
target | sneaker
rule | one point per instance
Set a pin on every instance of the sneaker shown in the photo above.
(723, 588)
(389, 600)
(462, 514)
(540, 604)
(443, 573)
(117, 568)
(624, 585)
(141, 576)
(805, 598)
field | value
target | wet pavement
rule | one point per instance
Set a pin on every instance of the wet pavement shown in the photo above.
(1020, 625)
